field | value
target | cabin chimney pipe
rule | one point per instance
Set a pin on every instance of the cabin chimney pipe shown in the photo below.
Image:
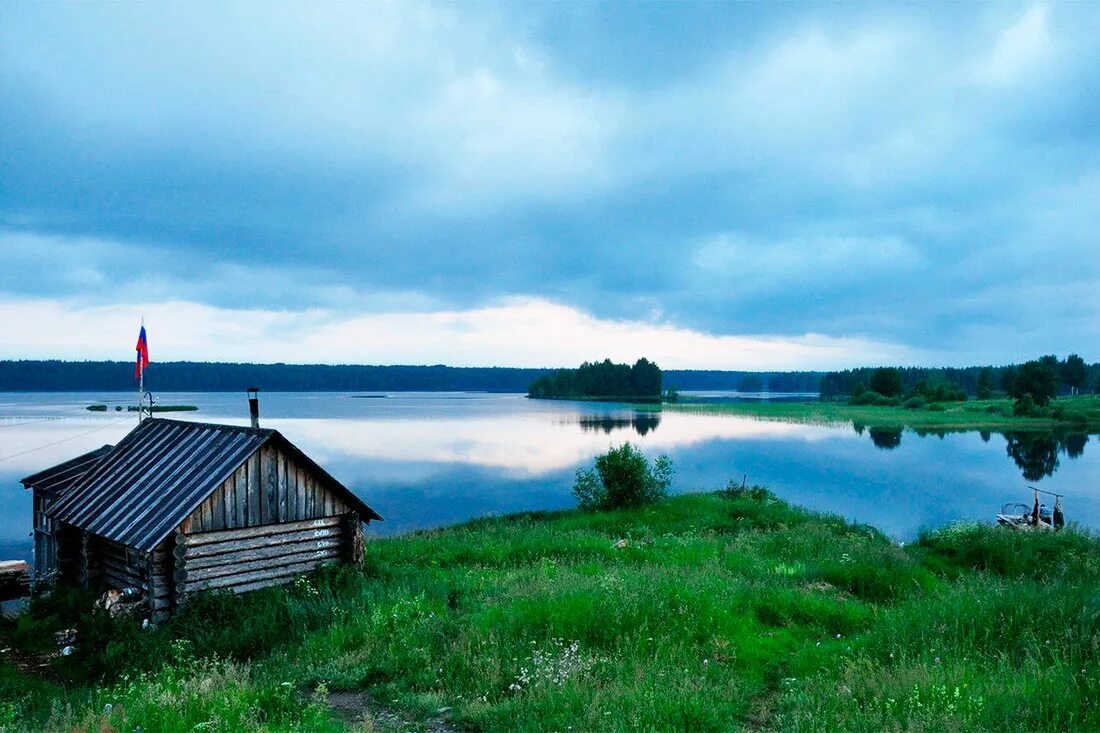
(254, 405)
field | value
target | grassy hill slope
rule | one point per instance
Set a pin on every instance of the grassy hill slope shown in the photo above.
(706, 612)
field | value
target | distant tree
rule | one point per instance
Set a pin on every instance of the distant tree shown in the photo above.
(1050, 361)
(886, 381)
(751, 383)
(1008, 380)
(1075, 373)
(1035, 378)
(985, 383)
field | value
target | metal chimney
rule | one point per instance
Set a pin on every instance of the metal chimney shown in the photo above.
(254, 405)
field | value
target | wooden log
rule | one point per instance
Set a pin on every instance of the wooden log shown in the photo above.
(288, 538)
(269, 583)
(15, 579)
(270, 477)
(206, 515)
(217, 510)
(240, 486)
(254, 490)
(236, 579)
(179, 574)
(116, 577)
(299, 491)
(198, 575)
(356, 545)
(205, 538)
(280, 479)
(262, 552)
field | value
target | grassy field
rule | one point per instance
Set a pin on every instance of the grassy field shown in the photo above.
(1077, 413)
(705, 612)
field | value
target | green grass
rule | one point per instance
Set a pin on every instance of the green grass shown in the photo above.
(1077, 412)
(720, 613)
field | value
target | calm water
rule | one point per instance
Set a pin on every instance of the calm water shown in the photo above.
(427, 459)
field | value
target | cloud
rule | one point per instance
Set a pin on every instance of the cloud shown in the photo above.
(518, 332)
(1019, 48)
(873, 174)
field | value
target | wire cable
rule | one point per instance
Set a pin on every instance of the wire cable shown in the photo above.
(64, 440)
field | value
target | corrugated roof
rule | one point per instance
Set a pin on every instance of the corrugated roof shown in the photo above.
(56, 480)
(158, 474)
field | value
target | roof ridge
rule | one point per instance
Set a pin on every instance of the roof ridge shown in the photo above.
(210, 425)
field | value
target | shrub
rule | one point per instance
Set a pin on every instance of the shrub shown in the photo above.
(913, 403)
(936, 407)
(870, 397)
(756, 492)
(1025, 406)
(622, 478)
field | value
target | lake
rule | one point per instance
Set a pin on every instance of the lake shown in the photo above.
(429, 459)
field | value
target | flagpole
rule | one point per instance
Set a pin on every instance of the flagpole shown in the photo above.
(141, 381)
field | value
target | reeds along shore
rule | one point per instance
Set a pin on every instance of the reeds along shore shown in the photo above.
(704, 612)
(1066, 413)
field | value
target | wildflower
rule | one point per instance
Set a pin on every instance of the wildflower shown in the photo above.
(838, 636)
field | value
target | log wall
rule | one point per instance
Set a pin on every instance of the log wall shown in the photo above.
(249, 558)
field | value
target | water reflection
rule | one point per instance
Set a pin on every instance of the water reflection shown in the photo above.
(428, 459)
(1034, 453)
(886, 438)
(642, 422)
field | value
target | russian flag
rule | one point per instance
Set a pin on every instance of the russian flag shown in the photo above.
(142, 353)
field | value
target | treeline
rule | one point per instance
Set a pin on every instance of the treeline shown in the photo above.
(707, 379)
(599, 380)
(188, 376)
(1068, 376)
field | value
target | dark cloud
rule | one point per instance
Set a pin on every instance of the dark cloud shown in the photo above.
(920, 175)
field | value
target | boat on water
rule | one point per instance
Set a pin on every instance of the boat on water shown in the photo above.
(1038, 516)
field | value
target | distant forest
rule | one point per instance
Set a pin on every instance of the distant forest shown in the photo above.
(185, 376)
(188, 376)
(1069, 374)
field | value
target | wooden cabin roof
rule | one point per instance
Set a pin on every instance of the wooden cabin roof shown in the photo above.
(57, 480)
(142, 489)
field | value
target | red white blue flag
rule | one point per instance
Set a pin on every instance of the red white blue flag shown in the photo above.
(142, 353)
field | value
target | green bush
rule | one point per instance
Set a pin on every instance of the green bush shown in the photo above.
(756, 492)
(913, 403)
(1025, 406)
(866, 397)
(936, 407)
(623, 478)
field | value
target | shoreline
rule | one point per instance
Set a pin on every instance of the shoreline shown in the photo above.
(970, 415)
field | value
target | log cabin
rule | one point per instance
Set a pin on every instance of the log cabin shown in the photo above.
(181, 507)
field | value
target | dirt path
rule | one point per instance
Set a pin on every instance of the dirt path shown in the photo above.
(360, 711)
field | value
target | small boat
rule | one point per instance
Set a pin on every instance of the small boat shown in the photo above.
(1018, 515)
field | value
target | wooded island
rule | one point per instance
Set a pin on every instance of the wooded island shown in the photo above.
(601, 380)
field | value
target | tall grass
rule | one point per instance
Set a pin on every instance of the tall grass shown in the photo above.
(704, 612)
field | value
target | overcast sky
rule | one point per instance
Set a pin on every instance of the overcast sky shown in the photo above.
(713, 185)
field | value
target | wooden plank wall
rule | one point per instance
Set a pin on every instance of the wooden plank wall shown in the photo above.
(245, 559)
(268, 488)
